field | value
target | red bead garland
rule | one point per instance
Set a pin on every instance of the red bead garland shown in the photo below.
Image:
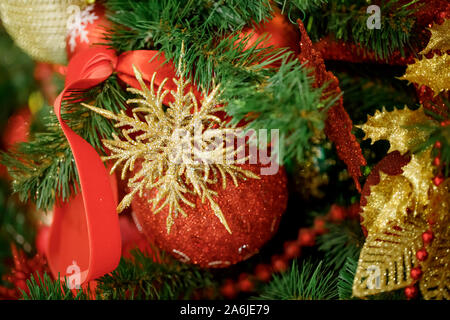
(292, 249)
(411, 292)
(427, 237)
(422, 254)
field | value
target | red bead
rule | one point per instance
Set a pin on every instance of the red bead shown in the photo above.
(438, 180)
(263, 272)
(438, 144)
(319, 225)
(306, 237)
(416, 273)
(411, 292)
(437, 161)
(291, 250)
(228, 290)
(244, 284)
(422, 255)
(279, 264)
(427, 237)
(337, 213)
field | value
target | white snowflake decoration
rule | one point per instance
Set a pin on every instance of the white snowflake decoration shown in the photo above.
(77, 23)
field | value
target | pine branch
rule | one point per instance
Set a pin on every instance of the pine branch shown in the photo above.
(286, 101)
(210, 30)
(43, 169)
(343, 241)
(369, 88)
(307, 282)
(347, 20)
(346, 277)
(44, 288)
(298, 8)
(143, 278)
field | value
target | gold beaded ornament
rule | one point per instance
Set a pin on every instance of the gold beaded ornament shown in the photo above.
(39, 27)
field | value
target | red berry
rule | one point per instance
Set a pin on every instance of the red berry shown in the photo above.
(291, 250)
(306, 237)
(438, 144)
(438, 180)
(263, 272)
(416, 273)
(427, 237)
(279, 264)
(411, 292)
(422, 255)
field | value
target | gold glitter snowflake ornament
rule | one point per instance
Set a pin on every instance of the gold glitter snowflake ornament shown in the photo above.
(180, 148)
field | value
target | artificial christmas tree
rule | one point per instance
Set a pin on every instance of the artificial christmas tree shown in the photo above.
(232, 135)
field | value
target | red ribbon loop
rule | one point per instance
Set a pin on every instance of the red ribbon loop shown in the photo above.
(85, 232)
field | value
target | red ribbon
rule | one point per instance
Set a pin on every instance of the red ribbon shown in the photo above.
(85, 232)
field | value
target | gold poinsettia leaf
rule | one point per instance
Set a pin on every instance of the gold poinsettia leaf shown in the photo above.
(419, 172)
(394, 236)
(396, 127)
(388, 256)
(440, 37)
(433, 73)
(389, 200)
(435, 283)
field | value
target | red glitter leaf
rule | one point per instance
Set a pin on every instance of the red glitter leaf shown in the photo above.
(338, 125)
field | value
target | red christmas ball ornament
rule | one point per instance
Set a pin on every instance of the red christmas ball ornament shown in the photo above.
(42, 240)
(277, 32)
(86, 27)
(132, 239)
(422, 255)
(411, 292)
(416, 273)
(252, 210)
(427, 237)
(18, 127)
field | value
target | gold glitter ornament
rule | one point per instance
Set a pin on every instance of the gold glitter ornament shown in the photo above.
(39, 27)
(174, 166)
(440, 38)
(398, 211)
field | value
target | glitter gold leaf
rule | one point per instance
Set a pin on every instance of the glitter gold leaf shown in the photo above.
(394, 126)
(389, 253)
(160, 147)
(433, 73)
(398, 210)
(435, 283)
(440, 38)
